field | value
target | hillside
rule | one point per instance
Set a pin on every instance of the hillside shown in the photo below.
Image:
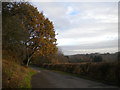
(107, 57)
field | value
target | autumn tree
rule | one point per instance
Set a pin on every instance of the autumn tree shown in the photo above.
(39, 34)
(13, 33)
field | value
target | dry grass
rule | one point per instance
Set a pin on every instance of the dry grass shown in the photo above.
(15, 76)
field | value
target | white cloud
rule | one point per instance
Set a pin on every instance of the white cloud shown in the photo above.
(83, 23)
(87, 35)
(84, 51)
(68, 0)
(101, 47)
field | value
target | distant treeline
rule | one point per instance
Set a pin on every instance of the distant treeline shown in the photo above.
(93, 57)
(78, 58)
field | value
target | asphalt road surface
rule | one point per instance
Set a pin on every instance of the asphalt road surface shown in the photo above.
(50, 79)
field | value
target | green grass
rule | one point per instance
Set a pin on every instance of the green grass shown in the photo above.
(27, 79)
(15, 75)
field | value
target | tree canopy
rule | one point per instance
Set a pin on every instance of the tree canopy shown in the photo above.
(27, 31)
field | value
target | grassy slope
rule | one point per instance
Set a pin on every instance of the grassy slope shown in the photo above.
(15, 75)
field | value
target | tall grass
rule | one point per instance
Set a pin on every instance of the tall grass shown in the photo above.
(13, 74)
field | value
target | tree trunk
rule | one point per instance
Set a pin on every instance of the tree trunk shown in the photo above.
(28, 60)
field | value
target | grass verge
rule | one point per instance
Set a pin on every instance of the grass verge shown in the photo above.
(15, 75)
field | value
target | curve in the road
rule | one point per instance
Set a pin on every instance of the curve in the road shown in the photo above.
(50, 79)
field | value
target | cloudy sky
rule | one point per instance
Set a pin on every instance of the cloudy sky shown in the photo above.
(83, 27)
